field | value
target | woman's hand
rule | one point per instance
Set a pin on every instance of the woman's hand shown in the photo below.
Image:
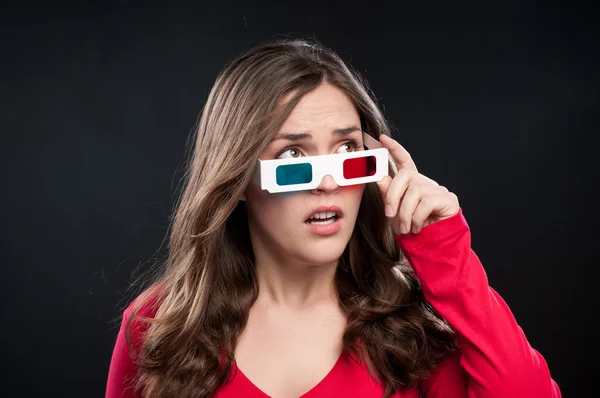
(413, 201)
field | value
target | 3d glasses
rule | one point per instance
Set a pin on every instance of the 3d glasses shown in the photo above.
(297, 174)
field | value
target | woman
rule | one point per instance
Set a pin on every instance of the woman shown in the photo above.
(295, 274)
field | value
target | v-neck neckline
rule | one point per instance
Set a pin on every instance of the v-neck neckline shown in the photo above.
(320, 387)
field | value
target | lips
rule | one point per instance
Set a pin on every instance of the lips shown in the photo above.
(323, 209)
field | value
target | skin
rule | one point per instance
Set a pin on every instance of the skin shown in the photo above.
(294, 266)
(294, 330)
(412, 200)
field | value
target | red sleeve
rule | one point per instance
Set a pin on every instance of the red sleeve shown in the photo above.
(496, 359)
(123, 370)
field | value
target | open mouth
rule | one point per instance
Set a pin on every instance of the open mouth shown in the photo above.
(322, 218)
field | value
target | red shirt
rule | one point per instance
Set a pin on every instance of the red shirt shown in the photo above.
(496, 359)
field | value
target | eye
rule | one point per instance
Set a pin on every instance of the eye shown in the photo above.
(289, 153)
(350, 146)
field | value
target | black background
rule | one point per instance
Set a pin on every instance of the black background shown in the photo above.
(497, 102)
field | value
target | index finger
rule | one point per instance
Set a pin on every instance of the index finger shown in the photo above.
(399, 154)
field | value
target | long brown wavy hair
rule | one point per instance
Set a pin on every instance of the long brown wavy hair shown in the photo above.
(203, 295)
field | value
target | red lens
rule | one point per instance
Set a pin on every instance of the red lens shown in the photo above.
(359, 167)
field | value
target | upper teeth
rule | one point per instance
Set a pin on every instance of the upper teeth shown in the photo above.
(324, 214)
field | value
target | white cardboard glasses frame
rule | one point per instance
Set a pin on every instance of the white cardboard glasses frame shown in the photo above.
(265, 174)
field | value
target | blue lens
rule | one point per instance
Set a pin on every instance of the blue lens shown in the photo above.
(291, 174)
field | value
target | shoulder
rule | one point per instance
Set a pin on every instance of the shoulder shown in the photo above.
(146, 304)
(123, 367)
(138, 315)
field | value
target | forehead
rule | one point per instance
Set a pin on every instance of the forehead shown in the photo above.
(321, 110)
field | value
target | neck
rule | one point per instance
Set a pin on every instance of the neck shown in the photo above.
(294, 284)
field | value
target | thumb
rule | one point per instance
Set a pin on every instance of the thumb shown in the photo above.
(384, 185)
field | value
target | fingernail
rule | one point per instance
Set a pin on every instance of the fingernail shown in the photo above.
(414, 229)
(389, 211)
(402, 228)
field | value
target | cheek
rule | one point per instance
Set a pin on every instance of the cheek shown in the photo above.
(257, 200)
(355, 189)
(354, 192)
(353, 196)
(267, 206)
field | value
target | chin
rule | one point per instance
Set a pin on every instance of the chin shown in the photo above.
(322, 261)
(323, 252)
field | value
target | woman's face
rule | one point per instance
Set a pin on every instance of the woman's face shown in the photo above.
(279, 223)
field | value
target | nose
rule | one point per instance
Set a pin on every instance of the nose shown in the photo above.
(327, 185)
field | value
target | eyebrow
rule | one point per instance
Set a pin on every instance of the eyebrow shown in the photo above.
(301, 136)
